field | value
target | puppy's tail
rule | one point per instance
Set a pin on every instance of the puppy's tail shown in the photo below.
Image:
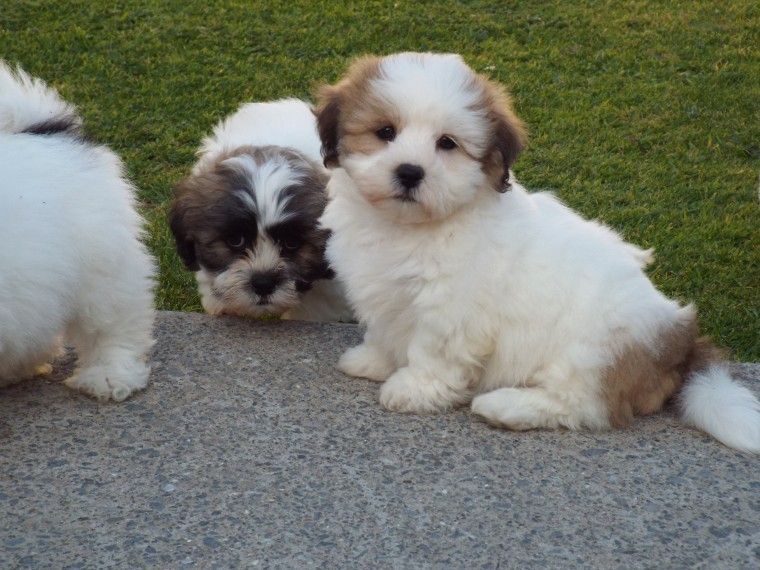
(716, 403)
(28, 105)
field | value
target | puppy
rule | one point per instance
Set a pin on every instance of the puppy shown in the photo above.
(245, 220)
(72, 265)
(471, 287)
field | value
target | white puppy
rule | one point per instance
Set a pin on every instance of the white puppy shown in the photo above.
(246, 219)
(71, 261)
(470, 287)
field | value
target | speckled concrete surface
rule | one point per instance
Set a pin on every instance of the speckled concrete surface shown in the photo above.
(250, 450)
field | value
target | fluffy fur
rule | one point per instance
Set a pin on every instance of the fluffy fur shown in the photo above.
(72, 266)
(474, 290)
(246, 219)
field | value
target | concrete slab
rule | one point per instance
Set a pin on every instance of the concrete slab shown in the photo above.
(250, 450)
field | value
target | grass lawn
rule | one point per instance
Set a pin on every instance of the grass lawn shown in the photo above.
(643, 114)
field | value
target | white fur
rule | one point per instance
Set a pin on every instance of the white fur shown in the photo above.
(27, 101)
(288, 123)
(71, 261)
(268, 180)
(512, 298)
(714, 402)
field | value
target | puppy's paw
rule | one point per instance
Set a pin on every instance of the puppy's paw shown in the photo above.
(366, 361)
(43, 369)
(406, 391)
(515, 408)
(114, 382)
(32, 370)
(46, 367)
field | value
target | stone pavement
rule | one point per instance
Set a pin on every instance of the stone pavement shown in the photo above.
(250, 450)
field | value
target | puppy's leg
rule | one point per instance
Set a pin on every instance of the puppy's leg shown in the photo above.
(34, 369)
(113, 362)
(437, 377)
(536, 407)
(520, 408)
(113, 334)
(368, 360)
(57, 351)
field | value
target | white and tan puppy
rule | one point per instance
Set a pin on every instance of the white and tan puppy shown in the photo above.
(71, 261)
(471, 287)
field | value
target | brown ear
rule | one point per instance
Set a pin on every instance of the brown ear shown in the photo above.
(509, 140)
(185, 244)
(333, 100)
(328, 117)
(509, 135)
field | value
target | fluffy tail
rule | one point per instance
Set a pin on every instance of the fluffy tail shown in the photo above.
(28, 105)
(716, 403)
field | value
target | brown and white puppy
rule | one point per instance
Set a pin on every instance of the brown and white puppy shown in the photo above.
(246, 219)
(474, 290)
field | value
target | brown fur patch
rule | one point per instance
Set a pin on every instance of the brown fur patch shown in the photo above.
(365, 142)
(508, 136)
(348, 102)
(641, 381)
(703, 353)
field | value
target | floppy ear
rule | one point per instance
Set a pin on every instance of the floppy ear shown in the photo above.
(322, 270)
(185, 245)
(509, 140)
(328, 116)
(508, 135)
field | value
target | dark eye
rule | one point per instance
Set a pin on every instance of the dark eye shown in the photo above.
(236, 242)
(290, 243)
(446, 143)
(387, 133)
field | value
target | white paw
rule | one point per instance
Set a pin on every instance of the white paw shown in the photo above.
(365, 361)
(114, 382)
(407, 392)
(501, 410)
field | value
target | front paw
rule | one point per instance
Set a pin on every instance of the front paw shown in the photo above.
(365, 361)
(407, 391)
(116, 381)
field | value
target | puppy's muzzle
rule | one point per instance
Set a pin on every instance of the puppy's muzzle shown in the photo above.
(264, 284)
(409, 177)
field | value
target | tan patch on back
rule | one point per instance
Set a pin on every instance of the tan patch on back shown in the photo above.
(642, 380)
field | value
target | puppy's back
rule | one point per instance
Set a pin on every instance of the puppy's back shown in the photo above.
(287, 123)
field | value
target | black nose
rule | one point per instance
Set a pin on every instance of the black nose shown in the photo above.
(264, 284)
(409, 175)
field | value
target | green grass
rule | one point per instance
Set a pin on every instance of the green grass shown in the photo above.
(643, 114)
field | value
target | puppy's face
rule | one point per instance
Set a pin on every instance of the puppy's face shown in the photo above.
(248, 225)
(419, 134)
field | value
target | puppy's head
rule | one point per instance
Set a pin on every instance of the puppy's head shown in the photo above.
(420, 134)
(247, 223)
